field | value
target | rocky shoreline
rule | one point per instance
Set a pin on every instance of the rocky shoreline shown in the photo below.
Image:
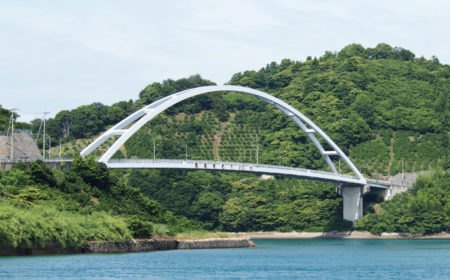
(341, 235)
(242, 240)
(133, 245)
(215, 243)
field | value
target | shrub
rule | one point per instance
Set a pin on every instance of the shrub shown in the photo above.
(138, 227)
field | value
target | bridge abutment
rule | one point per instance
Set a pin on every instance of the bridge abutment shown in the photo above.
(353, 202)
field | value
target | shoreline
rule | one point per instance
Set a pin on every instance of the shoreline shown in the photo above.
(130, 246)
(339, 235)
(240, 240)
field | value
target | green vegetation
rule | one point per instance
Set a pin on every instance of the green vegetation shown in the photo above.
(5, 116)
(384, 107)
(42, 206)
(423, 209)
(361, 97)
(42, 226)
(226, 201)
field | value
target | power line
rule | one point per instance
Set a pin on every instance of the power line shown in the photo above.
(29, 112)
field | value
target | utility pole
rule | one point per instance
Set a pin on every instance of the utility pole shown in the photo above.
(257, 147)
(403, 174)
(12, 133)
(43, 140)
(43, 137)
(186, 152)
(256, 154)
(49, 146)
(154, 150)
(59, 148)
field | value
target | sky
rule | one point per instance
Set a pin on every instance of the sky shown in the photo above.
(58, 55)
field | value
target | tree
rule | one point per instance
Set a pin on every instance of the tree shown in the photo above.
(41, 173)
(402, 54)
(382, 50)
(365, 108)
(4, 118)
(88, 120)
(92, 172)
(63, 118)
(208, 207)
(352, 50)
(156, 90)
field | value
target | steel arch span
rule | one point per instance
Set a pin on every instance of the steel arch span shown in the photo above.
(139, 118)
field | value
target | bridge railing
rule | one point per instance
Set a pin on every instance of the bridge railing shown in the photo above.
(390, 183)
(218, 163)
(58, 160)
(210, 162)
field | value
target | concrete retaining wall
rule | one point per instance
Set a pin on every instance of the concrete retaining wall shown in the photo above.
(24, 147)
(215, 243)
(134, 245)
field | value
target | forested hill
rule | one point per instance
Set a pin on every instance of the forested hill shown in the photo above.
(383, 106)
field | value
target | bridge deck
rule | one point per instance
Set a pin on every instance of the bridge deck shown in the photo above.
(275, 170)
(241, 167)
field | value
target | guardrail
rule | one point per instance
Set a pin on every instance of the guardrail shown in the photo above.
(17, 130)
(387, 183)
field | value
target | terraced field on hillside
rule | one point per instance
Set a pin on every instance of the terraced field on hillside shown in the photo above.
(203, 136)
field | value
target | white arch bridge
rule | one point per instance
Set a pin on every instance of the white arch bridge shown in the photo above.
(352, 188)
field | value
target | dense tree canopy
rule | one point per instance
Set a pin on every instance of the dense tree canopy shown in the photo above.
(43, 206)
(383, 106)
(423, 209)
(5, 116)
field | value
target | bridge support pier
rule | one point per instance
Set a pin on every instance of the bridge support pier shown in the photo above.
(353, 202)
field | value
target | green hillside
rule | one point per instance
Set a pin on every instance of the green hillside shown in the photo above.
(380, 105)
(383, 106)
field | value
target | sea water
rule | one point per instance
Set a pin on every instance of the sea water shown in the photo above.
(271, 259)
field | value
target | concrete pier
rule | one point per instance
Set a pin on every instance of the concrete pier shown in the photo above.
(353, 202)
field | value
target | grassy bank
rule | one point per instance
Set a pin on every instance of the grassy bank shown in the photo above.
(40, 226)
(203, 235)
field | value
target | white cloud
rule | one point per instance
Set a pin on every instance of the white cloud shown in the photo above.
(233, 16)
(74, 53)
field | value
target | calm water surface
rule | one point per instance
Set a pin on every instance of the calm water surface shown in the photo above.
(271, 259)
